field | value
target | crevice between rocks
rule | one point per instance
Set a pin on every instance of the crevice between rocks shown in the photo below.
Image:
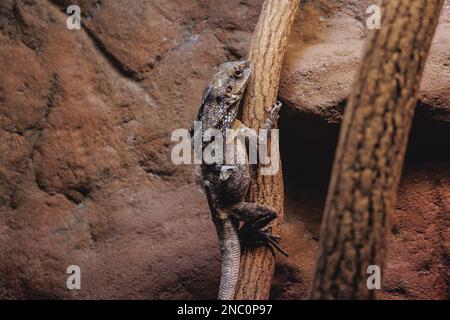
(116, 63)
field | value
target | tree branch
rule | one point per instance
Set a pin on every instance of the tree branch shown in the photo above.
(266, 54)
(371, 149)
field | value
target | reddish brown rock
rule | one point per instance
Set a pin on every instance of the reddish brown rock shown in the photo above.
(322, 60)
(85, 172)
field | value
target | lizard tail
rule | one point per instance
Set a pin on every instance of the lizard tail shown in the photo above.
(230, 250)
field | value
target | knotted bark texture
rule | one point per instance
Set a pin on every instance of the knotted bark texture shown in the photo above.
(371, 149)
(266, 54)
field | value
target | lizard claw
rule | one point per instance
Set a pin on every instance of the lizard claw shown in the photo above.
(274, 237)
(271, 115)
(273, 110)
(261, 237)
(277, 106)
(272, 240)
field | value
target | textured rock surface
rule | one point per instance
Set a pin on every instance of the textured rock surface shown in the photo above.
(322, 60)
(85, 171)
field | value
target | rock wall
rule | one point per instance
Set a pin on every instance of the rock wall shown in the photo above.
(85, 123)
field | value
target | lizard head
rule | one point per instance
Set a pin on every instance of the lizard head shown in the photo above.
(221, 98)
(230, 83)
(232, 79)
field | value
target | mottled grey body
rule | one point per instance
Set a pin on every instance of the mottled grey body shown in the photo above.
(225, 185)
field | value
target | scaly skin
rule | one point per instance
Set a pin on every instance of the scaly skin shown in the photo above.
(225, 185)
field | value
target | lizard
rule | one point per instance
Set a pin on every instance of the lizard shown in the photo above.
(225, 185)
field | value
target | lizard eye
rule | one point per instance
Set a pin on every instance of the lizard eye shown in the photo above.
(238, 73)
(229, 89)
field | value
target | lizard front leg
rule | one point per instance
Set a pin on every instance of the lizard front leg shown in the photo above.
(271, 115)
(270, 118)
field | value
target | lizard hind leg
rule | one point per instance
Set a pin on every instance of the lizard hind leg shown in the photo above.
(256, 218)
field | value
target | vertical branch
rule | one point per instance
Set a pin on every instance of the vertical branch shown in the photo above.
(371, 149)
(266, 55)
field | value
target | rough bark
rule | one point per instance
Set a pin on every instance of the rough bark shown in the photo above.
(266, 54)
(371, 149)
